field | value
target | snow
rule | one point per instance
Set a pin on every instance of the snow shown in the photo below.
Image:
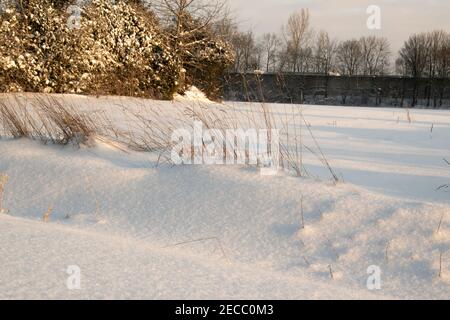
(192, 94)
(141, 229)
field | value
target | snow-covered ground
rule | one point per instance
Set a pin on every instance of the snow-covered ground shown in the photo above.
(137, 228)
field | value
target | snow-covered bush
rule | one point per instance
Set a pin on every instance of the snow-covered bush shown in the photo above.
(126, 52)
(38, 52)
(116, 50)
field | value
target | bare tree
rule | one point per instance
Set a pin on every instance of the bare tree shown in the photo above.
(400, 67)
(414, 54)
(270, 44)
(191, 26)
(179, 15)
(297, 34)
(437, 58)
(444, 58)
(426, 55)
(283, 59)
(240, 43)
(324, 53)
(375, 55)
(349, 57)
(248, 53)
(437, 64)
(243, 44)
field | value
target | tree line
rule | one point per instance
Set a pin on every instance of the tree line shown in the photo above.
(300, 49)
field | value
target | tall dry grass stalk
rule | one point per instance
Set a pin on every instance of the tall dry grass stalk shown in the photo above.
(47, 214)
(218, 241)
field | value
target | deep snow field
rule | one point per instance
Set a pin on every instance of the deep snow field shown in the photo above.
(141, 229)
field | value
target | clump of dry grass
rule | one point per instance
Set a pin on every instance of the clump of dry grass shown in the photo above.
(15, 120)
(47, 214)
(46, 119)
(63, 123)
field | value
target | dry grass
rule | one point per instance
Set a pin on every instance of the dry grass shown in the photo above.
(46, 118)
(15, 120)
(47, 214)
(216, 239)
(293, 129)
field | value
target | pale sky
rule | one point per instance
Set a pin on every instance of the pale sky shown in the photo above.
(347, 18)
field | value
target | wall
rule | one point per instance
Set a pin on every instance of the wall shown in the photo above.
(338, 90)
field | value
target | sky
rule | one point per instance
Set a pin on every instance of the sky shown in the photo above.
(345, 19)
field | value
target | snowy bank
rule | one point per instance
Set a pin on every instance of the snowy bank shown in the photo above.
(138, 228)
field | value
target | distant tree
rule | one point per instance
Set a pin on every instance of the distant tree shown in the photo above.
(324, 53)
(283, 59)
(426, 55)
(375, 55)
(437, 59)
(270, 44)
(414, 55)
(400, 67)
(248, 54)
(349, 57)
(297, 34)
(444, 58)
